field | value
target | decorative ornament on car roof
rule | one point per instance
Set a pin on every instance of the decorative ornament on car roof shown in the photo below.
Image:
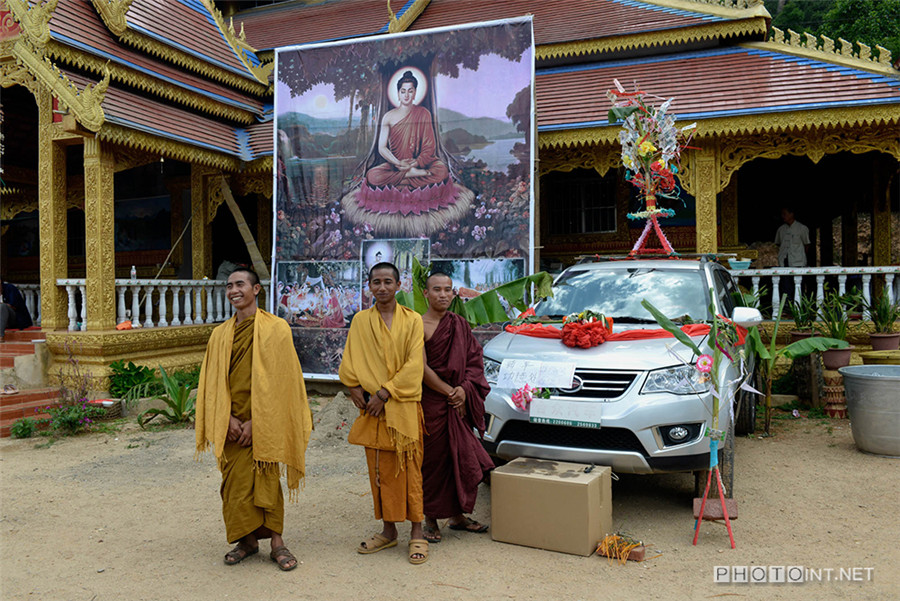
(651, 149)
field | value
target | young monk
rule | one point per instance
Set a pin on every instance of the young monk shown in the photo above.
(382, 366)
(253, 414)
(453, 405)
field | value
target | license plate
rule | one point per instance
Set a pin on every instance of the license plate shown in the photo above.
(560, 412)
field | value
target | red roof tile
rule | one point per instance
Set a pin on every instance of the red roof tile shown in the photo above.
(260, 138)
(134, 111)
(291, 23)
(78, 24)
(187, 25)
(557, 21)
(757, 81)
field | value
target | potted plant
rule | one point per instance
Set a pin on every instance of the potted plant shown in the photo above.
(804, 311)
(834, 315)
(883, 313)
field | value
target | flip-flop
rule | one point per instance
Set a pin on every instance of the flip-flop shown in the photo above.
(10, 389)
(432, 535)
(234, 557)
(375, 544)
(281, 555)
(467, 526)
(418, 546)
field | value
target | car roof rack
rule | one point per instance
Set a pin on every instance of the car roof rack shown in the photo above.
(704, 257)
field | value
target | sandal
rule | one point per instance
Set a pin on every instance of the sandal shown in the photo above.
(10, 389)
(375, 544)
(282, 557)
(418, 546)
(432, 534)
(470, 525)
(239, 554)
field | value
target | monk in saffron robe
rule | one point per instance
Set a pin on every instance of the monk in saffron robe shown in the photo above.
(382, 366)
(453, 404)
(408, 144)
(252, 412)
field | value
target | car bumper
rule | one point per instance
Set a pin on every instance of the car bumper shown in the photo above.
(629, 439)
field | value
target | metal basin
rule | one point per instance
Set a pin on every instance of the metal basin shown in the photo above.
(873, 400)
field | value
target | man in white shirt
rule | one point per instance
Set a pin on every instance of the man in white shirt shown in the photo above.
(792, 239)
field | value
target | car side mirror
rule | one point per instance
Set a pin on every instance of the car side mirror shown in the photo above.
(746, 317)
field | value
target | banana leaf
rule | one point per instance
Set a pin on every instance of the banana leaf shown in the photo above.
(620, 113)
(485, 308)
(669, 326)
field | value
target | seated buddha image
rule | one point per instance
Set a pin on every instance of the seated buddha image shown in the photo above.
(408, 187)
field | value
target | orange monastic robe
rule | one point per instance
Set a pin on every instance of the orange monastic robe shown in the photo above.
(376, 357)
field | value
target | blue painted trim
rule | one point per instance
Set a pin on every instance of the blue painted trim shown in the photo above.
(399, 14)
(812, 63)
(681, 117)
(121, 61)
(198, 7)
(670, 11)
(243, 142)
(185, 49)
(165, 134)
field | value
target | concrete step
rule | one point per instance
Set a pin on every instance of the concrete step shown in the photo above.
(28, 403)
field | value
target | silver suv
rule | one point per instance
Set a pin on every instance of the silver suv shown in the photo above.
(652, 418)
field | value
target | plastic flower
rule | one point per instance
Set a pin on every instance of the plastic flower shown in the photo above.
(704, 364)
(646, 147)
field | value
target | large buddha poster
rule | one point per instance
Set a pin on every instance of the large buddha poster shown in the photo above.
(415, 144)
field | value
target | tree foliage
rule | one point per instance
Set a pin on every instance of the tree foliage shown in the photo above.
(872, 22)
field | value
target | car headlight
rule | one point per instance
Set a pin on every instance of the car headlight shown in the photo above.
(684, 379)
(491, 370)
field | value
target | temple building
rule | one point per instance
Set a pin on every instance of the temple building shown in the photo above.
(140, 133)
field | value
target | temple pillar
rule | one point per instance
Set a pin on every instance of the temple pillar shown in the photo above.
(99, 238)
(881, 210)
(705, 175)
(730, 224)
(54, 263)
(201, 231)
(264, 228)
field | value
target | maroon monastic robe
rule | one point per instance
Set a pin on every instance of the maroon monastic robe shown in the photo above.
(454, 462)
(411, 138)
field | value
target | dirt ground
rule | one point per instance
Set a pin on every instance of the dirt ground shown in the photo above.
(129, 515)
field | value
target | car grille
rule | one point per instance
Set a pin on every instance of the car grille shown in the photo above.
(601, 384)
(603, 439)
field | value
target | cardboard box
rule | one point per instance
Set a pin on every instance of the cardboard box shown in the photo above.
(551, 505)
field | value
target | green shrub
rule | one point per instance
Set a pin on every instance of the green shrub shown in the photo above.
(23, 428)
(177, 397)
(125, 377)
(72, 418)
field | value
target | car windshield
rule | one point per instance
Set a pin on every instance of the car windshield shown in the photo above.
(618, 293)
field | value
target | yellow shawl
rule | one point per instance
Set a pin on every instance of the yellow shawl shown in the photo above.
(281, 417)
(376, 357)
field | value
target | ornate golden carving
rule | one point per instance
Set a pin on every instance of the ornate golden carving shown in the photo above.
(406, 19)
(215, 197)
(113, 13)
(600, 157)
(129, 158)
(12, 74)
(34, 18)
(168, 148)
(810, 46)
(730, 214)
(753, 26)
(99, 222)
(85, 104)
(201, 243)
(704, 183)
(147, 83)
(17, 200)
(253, 183)
(238, 43)
(52, 224)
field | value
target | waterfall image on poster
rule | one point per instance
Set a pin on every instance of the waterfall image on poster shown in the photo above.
(415, 144)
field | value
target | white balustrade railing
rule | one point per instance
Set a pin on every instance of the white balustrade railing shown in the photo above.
(32, 294)
(771, 278)
(157, 303)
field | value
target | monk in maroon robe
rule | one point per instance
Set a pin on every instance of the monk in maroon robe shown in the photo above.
(453, 403)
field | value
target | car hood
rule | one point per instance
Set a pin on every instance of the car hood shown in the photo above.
(637, 355)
